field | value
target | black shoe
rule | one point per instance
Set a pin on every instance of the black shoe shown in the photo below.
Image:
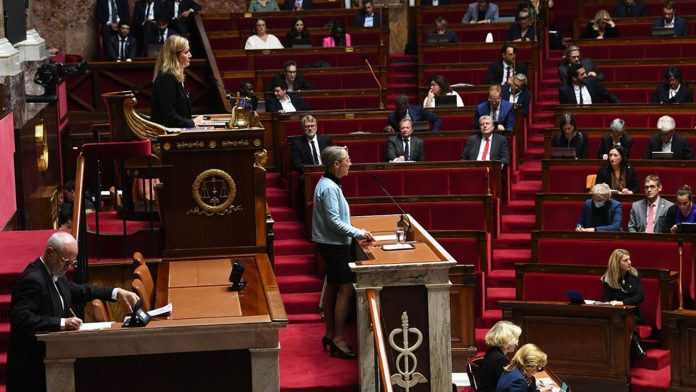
(336, 351)
(325, 343)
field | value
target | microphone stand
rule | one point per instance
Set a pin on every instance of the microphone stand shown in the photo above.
(381, 101)
(404, 222)
(228, 94)
(681, 270)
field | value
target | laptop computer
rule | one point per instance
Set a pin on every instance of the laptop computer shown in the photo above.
(301, 43)
(662, 155)
(662, 32)
(421, 126)
(437, 39)
(686, 228)
(563, 152)
(153, 50)
(444, 101)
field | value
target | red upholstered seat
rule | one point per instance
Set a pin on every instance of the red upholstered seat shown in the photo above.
(117, 150)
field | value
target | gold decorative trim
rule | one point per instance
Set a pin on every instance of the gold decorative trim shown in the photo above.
(235, 143)
(214, 191)
(260, 159)
(190, 145)
(41, 139)
(167, 146)
(140, 127)
(257, 142)
(212, 144)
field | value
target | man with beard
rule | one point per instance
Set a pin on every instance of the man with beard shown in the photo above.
(573, 56)
(583, 90)
(518, 94)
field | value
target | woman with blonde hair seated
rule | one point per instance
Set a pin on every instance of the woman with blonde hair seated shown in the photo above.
(501, 340)
(519, 374)
(600, 27)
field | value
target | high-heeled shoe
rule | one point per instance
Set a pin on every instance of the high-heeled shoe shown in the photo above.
(336, 351)
(325, 343)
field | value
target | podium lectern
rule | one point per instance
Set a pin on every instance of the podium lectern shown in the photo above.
(413, 282)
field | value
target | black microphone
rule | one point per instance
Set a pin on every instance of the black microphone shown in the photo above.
(221, 86)
(403, 222)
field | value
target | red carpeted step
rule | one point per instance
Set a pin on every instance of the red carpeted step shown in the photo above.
(289, 284)
(507, 258)
(657, 359)
(646, 380)
(292, 247)
(4, 336)
(301, 303)
(283, 213)
(517, 223)
(531, 171)
(501, 278)
(519, 207)
(289, 230)
(274, 180)
(534, 153)
(5, 307)
(296, 264)
(525, 190)
(277, 197)
(3, 368)
(489, 318)
(304, 318)
(495, 294)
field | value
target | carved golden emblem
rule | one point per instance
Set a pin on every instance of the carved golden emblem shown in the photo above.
(214, 191)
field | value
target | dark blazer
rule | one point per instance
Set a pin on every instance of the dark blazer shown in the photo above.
(183, 26)
(169, 103)
(638, 10)
(630, 293)
(566, 93)
(300, 82)
(102, 11)
(274, 105)
(113, 47)
(514, 381)
(495, 71)
(579, 141)
(522, 100)
(472, 14)
(434, 37)
(506, 114)
(661, 95)
(639, 216)
(604, 176)
(681, 29)
(302, 152)
(395, 148)
(590, 33)
(587, 63)
(289, 5)
(359, 20)
(499, 148)
(681, 149)
(515, 32)
(417, 113)
(160, 11)
(606, 143)
(613, 216)
(152, 37)
(36, 307)
(490, 369)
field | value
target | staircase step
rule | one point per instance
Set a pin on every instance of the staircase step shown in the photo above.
(299, 283)
(507, 258)
(519, 207)
(284, 213)
(531, 171)
(304, 318)
(292, 246)
(526, 189)
(647, 380)
(289, 230)
(489, 318)
(534, 154)
(301, 303)
(495, 294)
(501, 278)
(296, 264)
(512, 241)
(274, 180)
(517, 223)
(656, 360)
(5, 308)
(277, 197)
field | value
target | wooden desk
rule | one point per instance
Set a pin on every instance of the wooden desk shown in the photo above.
(681, 326)
(214, 339)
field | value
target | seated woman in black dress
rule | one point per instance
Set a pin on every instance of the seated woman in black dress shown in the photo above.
(571, 136)
(600, 27)
(298, 33)
(501, 340)
(169, 105)
(622, 286)
(617, 173)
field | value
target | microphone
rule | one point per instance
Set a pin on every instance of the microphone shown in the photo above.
(381, 102)
(403, 222)
(680, 244)
(229, 94)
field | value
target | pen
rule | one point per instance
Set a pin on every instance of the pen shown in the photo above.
(71, 312)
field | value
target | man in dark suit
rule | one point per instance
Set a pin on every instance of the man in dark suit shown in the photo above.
(283, 102)
(293, 79)
(109, 13)
(481, 11)
(641, 220)
(162, 32)
(405, 147)
(572, 56)
(144, 23)
(669, 11)
(617, 137)
(583, 90)
(181, 12)
(667, 140)
(306, 151)
(299, 5)
(502, 112)
(41, 301)
(630, 9)
(367, 17)
(502, 71)
(415, 113)
(485, 146)
(518, 94)
(673, 90)
(121, 47)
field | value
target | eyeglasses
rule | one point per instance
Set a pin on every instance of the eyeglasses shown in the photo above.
(67, 262)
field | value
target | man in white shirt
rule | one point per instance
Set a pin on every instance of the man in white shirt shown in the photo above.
(485, 146)
(367, 17)
(650, 214)
(284, 102)
(307, 150)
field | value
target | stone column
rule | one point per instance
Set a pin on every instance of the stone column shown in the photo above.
(265, 374)
(60, 375)
(440, 336)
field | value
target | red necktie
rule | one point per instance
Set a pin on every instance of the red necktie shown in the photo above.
(484, 156)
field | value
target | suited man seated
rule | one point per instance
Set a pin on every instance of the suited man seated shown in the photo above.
(41, 302)
(405, 147)
(162, 32)
(367, 17)
(481, 11)
(486, 146)
(121, 47)
(502, 71)
(630, 9)
(413, 112)
(671, 20)
(293, 79)
(600, 212)
(182, 12)
(583, 90)
(518, 94)
(572, 55)
(668, 141)
(306, 151)
(502, 112)
(673, 90)
(649, 215)
(284, 102)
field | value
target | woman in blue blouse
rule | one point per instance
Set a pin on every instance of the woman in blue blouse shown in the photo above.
(683, 210)
(332, 233)
(519, 374)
